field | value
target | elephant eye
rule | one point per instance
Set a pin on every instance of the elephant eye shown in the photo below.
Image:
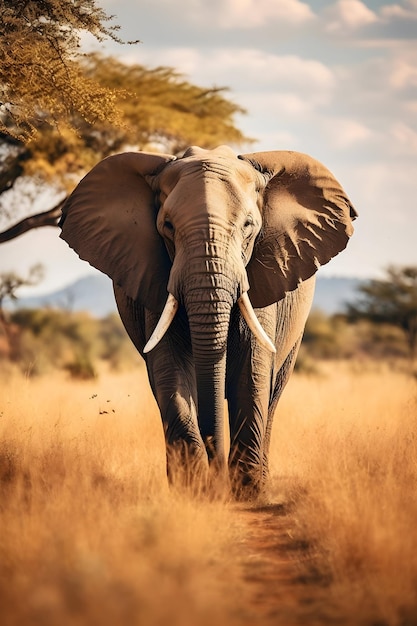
(168, 229)
(168, 226)
(248, 222)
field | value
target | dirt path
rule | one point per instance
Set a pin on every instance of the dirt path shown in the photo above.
(284, 586)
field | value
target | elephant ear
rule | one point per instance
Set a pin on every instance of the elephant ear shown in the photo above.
(307, 220)
(109, 220)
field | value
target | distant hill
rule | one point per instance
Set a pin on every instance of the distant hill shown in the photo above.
(95, 295)
(92, 293)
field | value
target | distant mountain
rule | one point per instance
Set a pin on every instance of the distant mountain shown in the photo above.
(92, 293)
(95, 295)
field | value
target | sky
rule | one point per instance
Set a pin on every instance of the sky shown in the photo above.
(334, 79)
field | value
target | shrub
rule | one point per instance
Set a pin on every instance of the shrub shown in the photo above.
(45, 339)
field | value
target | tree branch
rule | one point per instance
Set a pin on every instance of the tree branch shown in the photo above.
(47, 218)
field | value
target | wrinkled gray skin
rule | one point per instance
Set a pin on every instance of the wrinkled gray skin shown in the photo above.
(207, 228)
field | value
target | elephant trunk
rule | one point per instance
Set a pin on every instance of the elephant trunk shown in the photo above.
(208, 301)
(207, 278)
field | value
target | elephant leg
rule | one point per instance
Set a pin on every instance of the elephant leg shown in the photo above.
(281, 378)
(172, 379)
(248, 394)
(248, 419)
(251, 411)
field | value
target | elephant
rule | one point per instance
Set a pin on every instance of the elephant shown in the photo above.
(213, 258)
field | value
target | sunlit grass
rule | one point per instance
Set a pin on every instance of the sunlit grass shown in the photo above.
(349, 439)
(90, 533)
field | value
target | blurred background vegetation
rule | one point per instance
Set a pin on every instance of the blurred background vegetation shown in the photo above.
(40, 340)
(336, 337)
(380, 325)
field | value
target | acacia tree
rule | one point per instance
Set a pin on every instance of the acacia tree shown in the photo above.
(391, 300)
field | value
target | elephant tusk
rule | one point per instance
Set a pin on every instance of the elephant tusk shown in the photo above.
(167, 315)
(252, 321)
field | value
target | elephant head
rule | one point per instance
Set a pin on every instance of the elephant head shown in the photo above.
(207, 231)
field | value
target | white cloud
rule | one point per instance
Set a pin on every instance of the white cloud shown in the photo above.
(275, 140)
(411, 107)
(397, 11)
(348, 14)
(298, 72)
(247, 14)
(346, 133)
(378, 90)
(183, 60)
(403, 139)
(283, 105)
(403, 73)
(244, 68)
(272, 72)
(290, 104)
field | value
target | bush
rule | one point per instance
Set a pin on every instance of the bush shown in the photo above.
(335, 337)
(39, 340)
(81, 368)
(328, 337)
(45, 339)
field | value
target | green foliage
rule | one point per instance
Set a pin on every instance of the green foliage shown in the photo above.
(115, 347)
(10, 283)
(44, 339)
(393, 301)
(380, 341)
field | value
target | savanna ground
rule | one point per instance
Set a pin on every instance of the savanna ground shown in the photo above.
(91, 534)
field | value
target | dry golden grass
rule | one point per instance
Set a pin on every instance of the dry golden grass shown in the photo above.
(349, 440)
(91, 534)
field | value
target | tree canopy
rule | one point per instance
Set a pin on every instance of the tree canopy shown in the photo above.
(157, 108)
(41, 79)
(391, 300)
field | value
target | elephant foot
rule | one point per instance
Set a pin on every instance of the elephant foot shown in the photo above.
(248, 484)
(218, 485)
(189, 470)
(187, 467)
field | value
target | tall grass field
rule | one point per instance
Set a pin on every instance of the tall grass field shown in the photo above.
(91, 534)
